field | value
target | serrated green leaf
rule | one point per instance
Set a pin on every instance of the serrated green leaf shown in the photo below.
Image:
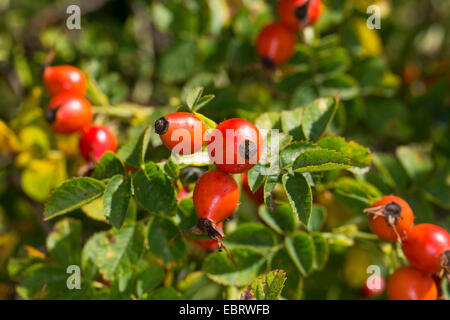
(171, 169)
(313, 160)
(154, 190)
(359, 156)
(108, 166)
(251, 234)
(301, 250)
(119, 251)
(149, 279)
(186, 213)
(292, 151)
(71, 195)
(220, 268)
(299, 194)
(64, 242)
(134, 151)
(293, 285)
(116, 200)
(317, 116)
(282, 219)
(203, 101)
(164, 293)
(321, 250)
(357, 190)
(160, 232)
(193, 97)
(291, 122)
(269, 185)
(269, 286)
(317, 219)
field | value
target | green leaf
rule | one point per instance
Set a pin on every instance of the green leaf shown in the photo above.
(171, 169)
(186, 213)
(269, 185)
(317, 116)
(219, 267)
(177, 63)
(282, 219)
(342, 84)
(268, 120)
(89, 256)
(119, 251)
(109, 165)
(64, 242)
(320, 160)
(322, 250)
(357, 190)
(317, 219)
(292, 151)
(203, 101)
(256, 177)
(42, 281)
(160, 231)
(251, 234)
(164, 293)
(291, 122)
(210, 124)
(332, 61)
(149, 279)
(154, 190)
(133, 152)
(71, 195)
(359, 156)
(193, 97)
(116, 200)
(269, 286)
(293, 285)
(301, 250)
(299, 194)
(393, 172)
(416, 160)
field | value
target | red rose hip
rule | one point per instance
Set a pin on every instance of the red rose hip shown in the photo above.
(181, 132)
(64, 78)
(390, 218)
(68, 113)
(275, 44)
(427, 248)
(95, 140)
(235, 145)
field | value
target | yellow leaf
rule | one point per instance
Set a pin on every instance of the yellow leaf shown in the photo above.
(369, 39)
(8, 140)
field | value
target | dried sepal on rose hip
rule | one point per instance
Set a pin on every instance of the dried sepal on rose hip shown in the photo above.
(275, 45)
(390, 218)
(68, 113)
(427, 248)
(216, 196)
(235, 145)
(181, 132)
(411, 284)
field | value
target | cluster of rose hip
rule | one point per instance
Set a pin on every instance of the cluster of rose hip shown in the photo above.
(426, 246)
(234, 146)
(69, 111)
(276, 41)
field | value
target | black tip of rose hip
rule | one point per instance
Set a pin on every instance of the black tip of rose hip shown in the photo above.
(301, 12)
(268, 63)
(247, 149)
(161, 125)
(50, 114)
(393, 209)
